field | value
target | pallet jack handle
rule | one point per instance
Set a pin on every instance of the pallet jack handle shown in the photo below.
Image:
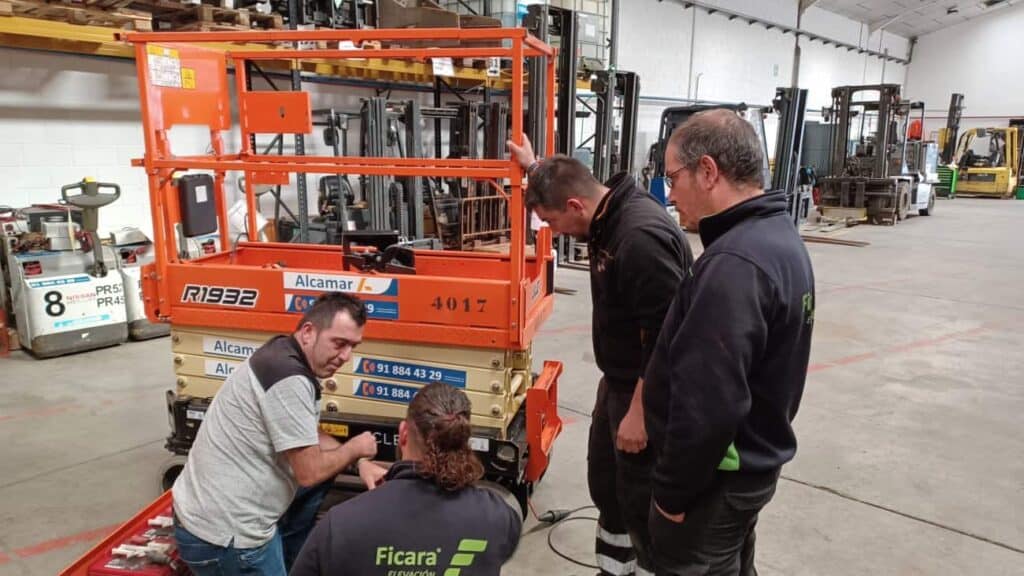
(90, 200)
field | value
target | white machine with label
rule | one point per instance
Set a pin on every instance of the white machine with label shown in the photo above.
(66, 297)
(192, 247)
(134, 250)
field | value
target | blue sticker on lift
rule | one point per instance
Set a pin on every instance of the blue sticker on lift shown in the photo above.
(409, 372)
(298, 302)
(383, 391)
(375, 309)
(381, 309)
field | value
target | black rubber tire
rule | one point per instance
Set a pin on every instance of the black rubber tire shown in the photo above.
(931, 206)
(169, 472)
(902, 203)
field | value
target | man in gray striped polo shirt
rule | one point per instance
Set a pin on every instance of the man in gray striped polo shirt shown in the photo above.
(238, 503)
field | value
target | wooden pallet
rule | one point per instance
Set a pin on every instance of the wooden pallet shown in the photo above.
(176, 15)
(145, 14)
(77, 13)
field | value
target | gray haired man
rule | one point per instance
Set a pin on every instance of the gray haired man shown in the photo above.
(726, 376)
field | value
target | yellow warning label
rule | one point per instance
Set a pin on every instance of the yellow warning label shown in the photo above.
(188, 78)
(340, 430)
(161, 51)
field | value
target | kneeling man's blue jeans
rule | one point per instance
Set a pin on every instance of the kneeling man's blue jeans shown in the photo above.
(271, 559)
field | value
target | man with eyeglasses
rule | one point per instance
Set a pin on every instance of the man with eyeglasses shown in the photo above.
(728, 371)
(638, 255)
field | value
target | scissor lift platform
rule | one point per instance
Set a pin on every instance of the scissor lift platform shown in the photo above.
(462, 317)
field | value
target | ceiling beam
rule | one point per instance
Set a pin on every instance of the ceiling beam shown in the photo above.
(786, 29)
(805, 4)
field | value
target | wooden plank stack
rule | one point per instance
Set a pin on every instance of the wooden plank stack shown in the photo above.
(176, 15)
(77, 13)
(144, 15)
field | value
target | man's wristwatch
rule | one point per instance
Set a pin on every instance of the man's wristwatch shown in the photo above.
(532, 167)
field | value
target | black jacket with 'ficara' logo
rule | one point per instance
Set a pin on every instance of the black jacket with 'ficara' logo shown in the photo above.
(726, 377)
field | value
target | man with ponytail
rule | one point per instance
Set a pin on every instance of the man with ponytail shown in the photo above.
(428, 517)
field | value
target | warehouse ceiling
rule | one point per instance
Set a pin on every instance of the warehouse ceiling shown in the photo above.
(912, 18)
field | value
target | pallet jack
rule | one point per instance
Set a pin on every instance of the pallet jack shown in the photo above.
(464, 318)
(65, 293)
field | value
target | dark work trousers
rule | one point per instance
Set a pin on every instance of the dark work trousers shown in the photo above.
(716, 537)
(620, 486)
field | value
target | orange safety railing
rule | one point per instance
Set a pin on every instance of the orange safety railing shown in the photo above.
(483, 300)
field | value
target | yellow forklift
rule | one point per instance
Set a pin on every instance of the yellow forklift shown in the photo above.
(989, 161)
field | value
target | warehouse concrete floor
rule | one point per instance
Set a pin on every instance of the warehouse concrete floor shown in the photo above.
(910, 429)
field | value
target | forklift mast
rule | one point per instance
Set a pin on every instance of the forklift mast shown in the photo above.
(615, 145)
(790, 104)
(956, 108)
(558, 27)
(1018, 124)
(873, 156)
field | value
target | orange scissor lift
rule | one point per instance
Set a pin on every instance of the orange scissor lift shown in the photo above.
(464, 318)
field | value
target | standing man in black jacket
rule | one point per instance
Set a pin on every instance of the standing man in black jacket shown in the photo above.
(726, 377)
(637, 257)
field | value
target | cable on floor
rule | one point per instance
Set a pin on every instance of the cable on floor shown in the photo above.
(556, 517)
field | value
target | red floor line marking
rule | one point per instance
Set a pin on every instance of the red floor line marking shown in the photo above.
(854, 359)
(58, 543)
(4, 558)
(915, 345)
(939, 339)
(40, 412)
(846, 287)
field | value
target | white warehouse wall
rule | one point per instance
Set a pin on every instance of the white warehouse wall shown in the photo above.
(737, 62)
(980, 59)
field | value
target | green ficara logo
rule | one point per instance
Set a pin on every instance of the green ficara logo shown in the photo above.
(808, 308)
(424, 562)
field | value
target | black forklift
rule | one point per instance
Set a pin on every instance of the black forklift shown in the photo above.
(871, 163)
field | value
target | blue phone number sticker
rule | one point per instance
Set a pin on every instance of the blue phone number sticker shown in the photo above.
(383, 391)
(375, 309)
(411, 372)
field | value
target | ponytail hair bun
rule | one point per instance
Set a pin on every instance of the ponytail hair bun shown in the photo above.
(441, 415)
